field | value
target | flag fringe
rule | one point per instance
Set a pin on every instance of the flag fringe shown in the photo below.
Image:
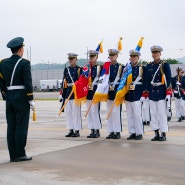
(120, 95)
(78, 101)
(98, 97)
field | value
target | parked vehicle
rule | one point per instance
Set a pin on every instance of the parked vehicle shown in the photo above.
(50, 85)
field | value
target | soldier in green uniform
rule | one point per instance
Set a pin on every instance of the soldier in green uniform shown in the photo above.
(16, 88)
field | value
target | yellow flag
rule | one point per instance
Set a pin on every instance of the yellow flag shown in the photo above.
(101, 47)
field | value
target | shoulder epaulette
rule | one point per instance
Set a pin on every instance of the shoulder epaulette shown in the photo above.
(163, 61)
(140, 65)
(148, 63)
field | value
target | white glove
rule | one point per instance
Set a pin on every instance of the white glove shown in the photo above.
(175, 92)
(142, 99)
(32, 104)
(168, 98)
(60, 98)
(178, 83)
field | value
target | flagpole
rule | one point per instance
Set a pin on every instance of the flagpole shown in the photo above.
(88, 108)
(65, 103)
(110, 111)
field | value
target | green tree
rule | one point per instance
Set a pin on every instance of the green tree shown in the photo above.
(173, 61)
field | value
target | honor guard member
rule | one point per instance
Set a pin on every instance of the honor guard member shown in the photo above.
(159, 92)
(114, 122)
(73, 112)
(94, 121)
(178, 85)
(183, 96)
(16, 86)
(133, 103)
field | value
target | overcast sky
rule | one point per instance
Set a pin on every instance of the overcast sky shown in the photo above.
(55, 27)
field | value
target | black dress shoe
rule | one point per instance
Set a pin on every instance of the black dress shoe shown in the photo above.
(155, 138)
(117, 135)
(110, 136)
(132, 136)
(91, 134)
(148, 123)
(144, 122)
(183, 117)
(76, 134)
(180, 119)
(24, 158)
(138, 137)
(163, 137)
(96, 134)
(70, 133)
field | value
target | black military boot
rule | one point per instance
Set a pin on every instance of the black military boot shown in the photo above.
(156, 137)
(91, 134)
(76, 134)
(117, 135)
(70, 133)
(132, 136)
(138, 137)
(96, 134)
(110, 136)
(163, 137)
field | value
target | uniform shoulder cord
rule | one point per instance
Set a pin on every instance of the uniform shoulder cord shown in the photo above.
(120, 70)
(79, 71)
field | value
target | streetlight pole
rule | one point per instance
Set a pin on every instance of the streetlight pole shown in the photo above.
(47, 69)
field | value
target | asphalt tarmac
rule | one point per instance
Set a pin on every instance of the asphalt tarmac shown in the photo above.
(58, 160)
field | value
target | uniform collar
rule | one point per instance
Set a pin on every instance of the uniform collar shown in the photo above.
(113, 64)
(15, 57)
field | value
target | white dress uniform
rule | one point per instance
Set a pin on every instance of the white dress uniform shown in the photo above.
(178, 84)
(133, 103)
(114, 123)
(159, 93)
(94, 120)
(73, 112)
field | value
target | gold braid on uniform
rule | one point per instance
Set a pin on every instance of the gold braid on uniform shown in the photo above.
(120, 70)
(29, 94)
(162, 73)
(79, 71)
(141, 71)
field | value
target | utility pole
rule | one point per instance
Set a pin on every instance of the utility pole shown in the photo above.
(30, 54)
